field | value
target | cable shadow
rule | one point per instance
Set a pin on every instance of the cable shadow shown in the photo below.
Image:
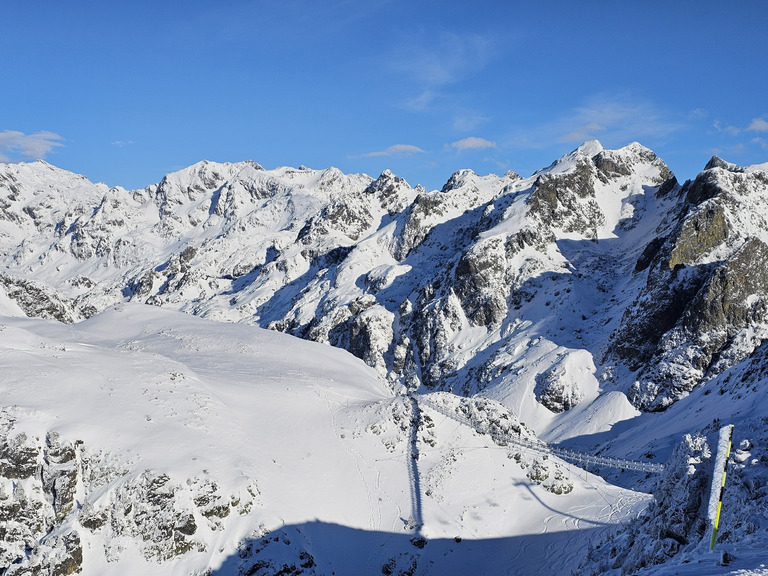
(413, 466)
(560, 512)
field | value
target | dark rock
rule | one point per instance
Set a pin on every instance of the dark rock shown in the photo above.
(704, 230)
(611, 164)
(392, 192)
(704, 187)
(413, 231)
(60, 474)
(673, 280)
(567, 201)
(657, 310)
(92, 519)
(717, 162)
(72, 560)
(480, 283)
(556, 391)
(667, 186)
(649, 253)
(724, 301)
(457, 180)
(730, 299)
(38, 300)
(19, 457)
(186, 525)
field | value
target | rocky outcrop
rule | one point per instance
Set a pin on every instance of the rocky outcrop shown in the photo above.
(702, 308)
(40, 301)
(731, 301)
(414, 226)
(675, 520)
(567, 201)
(52, 490)
(556, 389)
(37, 484)
(482, 283)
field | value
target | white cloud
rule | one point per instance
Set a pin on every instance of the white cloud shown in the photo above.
(732, 130)
(16, 145)
(396, 150)
(420, 102)
(501, 164)
(583, 133)
(758, 125)
(473, 142)
(467, 121)
(431, 66)
(613, 119)
(443, 60)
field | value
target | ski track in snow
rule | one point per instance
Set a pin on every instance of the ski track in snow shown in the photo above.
(374, 507)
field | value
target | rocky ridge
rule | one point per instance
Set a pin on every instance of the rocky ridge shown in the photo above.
(601, 262)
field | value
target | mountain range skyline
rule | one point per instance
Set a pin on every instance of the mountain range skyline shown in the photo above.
(229, 370)
(127, 92)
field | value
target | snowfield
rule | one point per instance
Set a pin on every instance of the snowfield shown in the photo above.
(306, 448)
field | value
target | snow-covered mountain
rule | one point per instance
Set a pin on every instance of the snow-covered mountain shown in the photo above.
(601, 263)
(599, 301)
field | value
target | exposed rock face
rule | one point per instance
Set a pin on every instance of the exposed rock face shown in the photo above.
(40, 301)
(602, 251)
(701, 232)
(37, 485)
(567, 200)
(479, 274)
(51, 489)
(556, 389)
(730, 302)
(703, 306)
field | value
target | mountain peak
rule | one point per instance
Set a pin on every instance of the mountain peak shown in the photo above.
(717, 162)
(458, 179)
(589, 148)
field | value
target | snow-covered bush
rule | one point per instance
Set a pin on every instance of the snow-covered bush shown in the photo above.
(676, 520)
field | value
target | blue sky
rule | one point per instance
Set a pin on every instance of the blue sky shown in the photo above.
(125, 92)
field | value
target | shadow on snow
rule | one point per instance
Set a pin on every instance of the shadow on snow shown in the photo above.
(319, 548)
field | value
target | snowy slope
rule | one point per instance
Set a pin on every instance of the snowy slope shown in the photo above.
(442, 289)
(167, 443)
(599, 301)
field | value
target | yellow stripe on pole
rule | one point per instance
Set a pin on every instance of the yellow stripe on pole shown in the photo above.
(714, 529)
